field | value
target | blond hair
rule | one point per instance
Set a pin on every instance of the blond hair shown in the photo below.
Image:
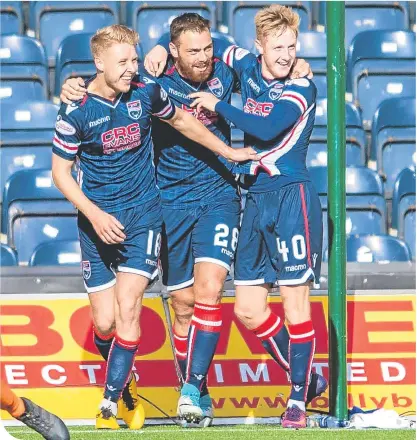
(109, 35)
(276, 19)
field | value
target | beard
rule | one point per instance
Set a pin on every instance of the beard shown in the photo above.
(191, 73)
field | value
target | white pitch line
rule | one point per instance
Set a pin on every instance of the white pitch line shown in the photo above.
(194, 430)
(154, 431)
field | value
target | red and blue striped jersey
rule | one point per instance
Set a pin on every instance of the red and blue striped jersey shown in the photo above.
(112, 142)
(277, 118)
(188, 174)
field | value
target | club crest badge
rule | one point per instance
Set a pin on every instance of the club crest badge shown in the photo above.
(134, 109)
(86, 266)
(276, 91)
(216, 87)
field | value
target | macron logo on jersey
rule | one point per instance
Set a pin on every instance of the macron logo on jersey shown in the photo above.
(254, 86)
(258, 108)
(177, 93)
(99, 121)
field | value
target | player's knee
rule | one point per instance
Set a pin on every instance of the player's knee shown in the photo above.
(208, 290)
(105, 324)
(129, 310)
(183, 311)
(245, 314)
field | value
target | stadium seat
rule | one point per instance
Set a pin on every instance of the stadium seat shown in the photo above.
(381, 65)
(412, 15)
(376, 248)
(365, 203)
(152, 19)
(222, 36)
(24, 70)
(355, 137)
(312, 47)
(73, 59)
(26, 131)
(241, 17)
(363, 16)
(393, 146)
(404, 208)
(52, 21)
(8, 256)
(57, 253)
(34, 211)
(11, 18)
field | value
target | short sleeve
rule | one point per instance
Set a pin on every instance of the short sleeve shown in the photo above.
(300, 92)
(161, 106)
(236, 57)
(67, 138)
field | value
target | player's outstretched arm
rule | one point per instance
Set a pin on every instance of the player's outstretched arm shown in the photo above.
(283, 116)
(107, 227)
(73, 89)
(194, 130)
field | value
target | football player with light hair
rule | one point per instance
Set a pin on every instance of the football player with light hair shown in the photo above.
(108, 132)
(281, 234)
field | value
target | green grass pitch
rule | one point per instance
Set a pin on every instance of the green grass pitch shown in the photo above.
(245, 432)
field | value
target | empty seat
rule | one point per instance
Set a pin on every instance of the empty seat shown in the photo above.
(152, 19)
(52, 21)
(8, 256)
(312, 47)
(376, 248)
(365, 203)
(393, 146)
(57, 253)
(73, 59)
(381, 65)
(404, 208)
(26, 130)
(241, 16)
(355, 137)
(24, 73)
(11, 17)
(363, 16)
(34, 211)
(412, 15)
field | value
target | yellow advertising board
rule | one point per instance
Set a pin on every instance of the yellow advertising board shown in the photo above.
(48, 355)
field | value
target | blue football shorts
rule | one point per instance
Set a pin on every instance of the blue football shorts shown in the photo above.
(138, 254)
(207, 233)
(281, 237)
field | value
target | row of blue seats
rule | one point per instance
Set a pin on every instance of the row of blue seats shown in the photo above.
(381, 65)
(27, 130)
(366, 207)
(392, 142)
(34, 210)
(51, 21)
(359, 248)
(50, 253)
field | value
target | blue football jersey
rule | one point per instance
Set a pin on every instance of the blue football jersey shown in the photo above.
(283, 158)
(113, 145)
(187, 173)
